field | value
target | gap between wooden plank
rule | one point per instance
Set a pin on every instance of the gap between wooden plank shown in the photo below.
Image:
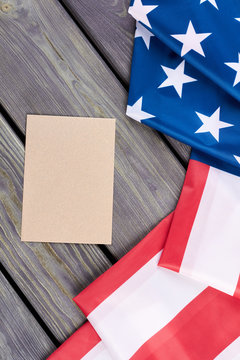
(15, 128)
(28, 305)
(21, 337)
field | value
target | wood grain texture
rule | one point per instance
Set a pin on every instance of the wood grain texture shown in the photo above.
(111, 29)
(21, 337)
(48, 67)
(48, 274)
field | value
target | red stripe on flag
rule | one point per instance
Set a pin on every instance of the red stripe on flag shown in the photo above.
(184, 215)
(78, 345)
(237, 291)
(202, 330)
(113, 278)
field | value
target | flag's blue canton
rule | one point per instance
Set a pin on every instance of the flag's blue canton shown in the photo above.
(185, 80)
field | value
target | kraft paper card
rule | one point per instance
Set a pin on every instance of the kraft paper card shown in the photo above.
(68, 180)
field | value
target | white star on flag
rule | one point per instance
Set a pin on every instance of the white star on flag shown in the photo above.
(238, 19)
(140, 11)
(135, 111)
(235, 66)
(191, 40)
(212, 124)
(176, 78)
(213, 2)
(144, 33)
(237, 158)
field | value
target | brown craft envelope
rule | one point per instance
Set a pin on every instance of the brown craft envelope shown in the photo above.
(68, 180)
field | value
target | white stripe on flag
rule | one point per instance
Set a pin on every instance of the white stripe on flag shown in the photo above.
(140, 307)
(232, 352)
(213, 248)
(99, 352)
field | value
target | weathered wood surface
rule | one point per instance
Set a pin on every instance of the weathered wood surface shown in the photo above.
(48, 67)
(21, 337)
(111, 29)
(49, 275)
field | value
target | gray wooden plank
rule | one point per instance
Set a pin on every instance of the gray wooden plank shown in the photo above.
(48, 274)
(48, 67)
(21, 337)
(111, 29)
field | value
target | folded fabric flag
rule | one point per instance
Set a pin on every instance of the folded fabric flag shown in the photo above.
(183, 68)
(142, 311)
(203, 241)
(189, 99)
(83, 344)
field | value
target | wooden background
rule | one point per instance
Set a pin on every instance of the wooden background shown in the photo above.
(71, 57)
